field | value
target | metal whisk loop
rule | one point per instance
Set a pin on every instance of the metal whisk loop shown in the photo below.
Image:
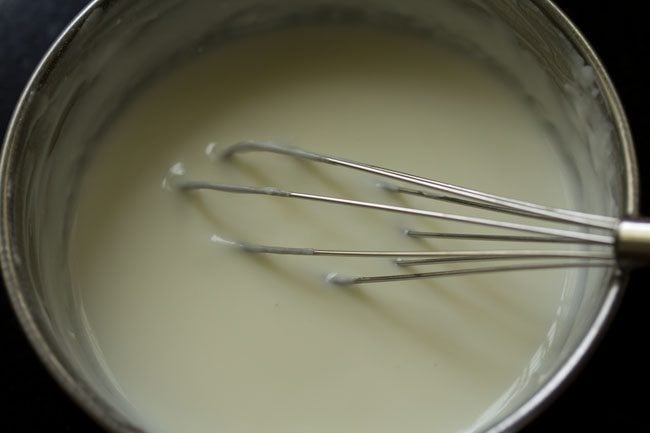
(556, 233)
(499, 203)
(544, 259)
(345, 280)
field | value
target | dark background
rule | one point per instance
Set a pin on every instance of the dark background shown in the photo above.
(608, 395)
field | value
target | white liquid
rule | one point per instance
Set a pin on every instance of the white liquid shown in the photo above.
(202, 338)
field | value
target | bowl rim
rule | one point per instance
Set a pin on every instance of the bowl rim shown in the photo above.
(104, 414)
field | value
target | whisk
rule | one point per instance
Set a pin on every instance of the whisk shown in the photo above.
(623, 243)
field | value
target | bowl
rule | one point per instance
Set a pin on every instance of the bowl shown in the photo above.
(114, 48)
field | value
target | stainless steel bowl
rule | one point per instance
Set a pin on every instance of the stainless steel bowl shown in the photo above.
(115, 47)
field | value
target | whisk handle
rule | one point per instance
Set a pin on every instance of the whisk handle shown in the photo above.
(633, 242)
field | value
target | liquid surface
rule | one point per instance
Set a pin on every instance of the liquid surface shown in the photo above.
(200, 337)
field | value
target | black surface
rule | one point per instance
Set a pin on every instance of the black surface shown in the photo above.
(609, 394)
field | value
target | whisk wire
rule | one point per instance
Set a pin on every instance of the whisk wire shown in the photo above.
(532, 209)
(345, 280)
(484, 237)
